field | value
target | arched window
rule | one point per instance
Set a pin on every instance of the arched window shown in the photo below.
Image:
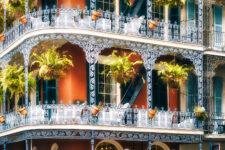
(54, 146)
(108, 145)
(34, 148)
(159, 146)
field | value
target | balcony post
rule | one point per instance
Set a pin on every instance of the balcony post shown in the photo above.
(200, 143)
(26, 54)
(4, 17)
(200, 22)
(26, 7)
(92, 141)
(199, 69)
(149, 14)
(4, 146)
(149, 142)
(27, 145)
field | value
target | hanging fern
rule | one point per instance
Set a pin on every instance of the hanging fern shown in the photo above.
(121, 68)
(51, 65)
(173, 74)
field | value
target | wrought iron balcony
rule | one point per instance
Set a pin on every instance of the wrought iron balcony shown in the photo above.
(68, 114)
(216, 40)
(107, 22)
(216, 123)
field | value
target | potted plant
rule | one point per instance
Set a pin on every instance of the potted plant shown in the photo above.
(2, 119)
(200, 113)
(173, 74)
(151, 113)
(121, 68)
(13, 80)
(96, 14)
(171, 3)
(2, 37)
(51, 64)
(152, 24)
(22, 111)
(23, 19)
(96, 109)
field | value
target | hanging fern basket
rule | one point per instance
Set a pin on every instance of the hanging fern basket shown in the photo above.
(171, 3)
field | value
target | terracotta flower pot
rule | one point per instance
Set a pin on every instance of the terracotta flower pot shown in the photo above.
(152, 24)
(95, 15)
(95, 110)
(2, 38)
(23, 19)
(198, 115)
(2, 119)
(151, 113)
(23, 111)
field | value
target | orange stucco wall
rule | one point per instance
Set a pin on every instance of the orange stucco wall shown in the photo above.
(73, 3)
(74, 85)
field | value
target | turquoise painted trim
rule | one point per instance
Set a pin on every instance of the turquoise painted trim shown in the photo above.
(218, 94)
(191, 92)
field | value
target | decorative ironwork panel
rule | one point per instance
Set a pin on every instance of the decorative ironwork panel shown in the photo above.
(200, 21)
(88, 134)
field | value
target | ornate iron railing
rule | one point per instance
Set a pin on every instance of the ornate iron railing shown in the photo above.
(216, 40)
(107, 22)
(60, 114)
(215, 123)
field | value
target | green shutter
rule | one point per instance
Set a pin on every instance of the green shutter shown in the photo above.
(50, 91)
(191, 92)
(159, 91)
(218, 25)
(218, 94)
(174, 15)
(49, 3)
(190, 13)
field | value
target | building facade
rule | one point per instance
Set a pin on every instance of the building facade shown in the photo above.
(59, 111)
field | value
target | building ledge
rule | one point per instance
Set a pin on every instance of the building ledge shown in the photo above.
(102, 128)
(86, 32)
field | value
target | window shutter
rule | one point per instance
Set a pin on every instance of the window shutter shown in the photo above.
(49, 3)
(159, 91)
(50, 91)
(218, 19)
(191, 92)
(191, 13)
(218, 94)
(174, 15)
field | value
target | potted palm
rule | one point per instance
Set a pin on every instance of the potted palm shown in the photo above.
(200, 113)
(173, 74)
(51, 64)
(121, 68)
(13, 80)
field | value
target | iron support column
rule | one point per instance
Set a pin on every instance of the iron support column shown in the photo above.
(92, 141)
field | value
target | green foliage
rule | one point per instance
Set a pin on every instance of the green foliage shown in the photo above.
(13, 80)
(14, 10)
(51, 65)
(121, 68)
(171, 3)
(173, 74)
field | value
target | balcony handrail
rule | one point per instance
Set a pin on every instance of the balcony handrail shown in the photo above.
(107, 22)
(60, 114)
